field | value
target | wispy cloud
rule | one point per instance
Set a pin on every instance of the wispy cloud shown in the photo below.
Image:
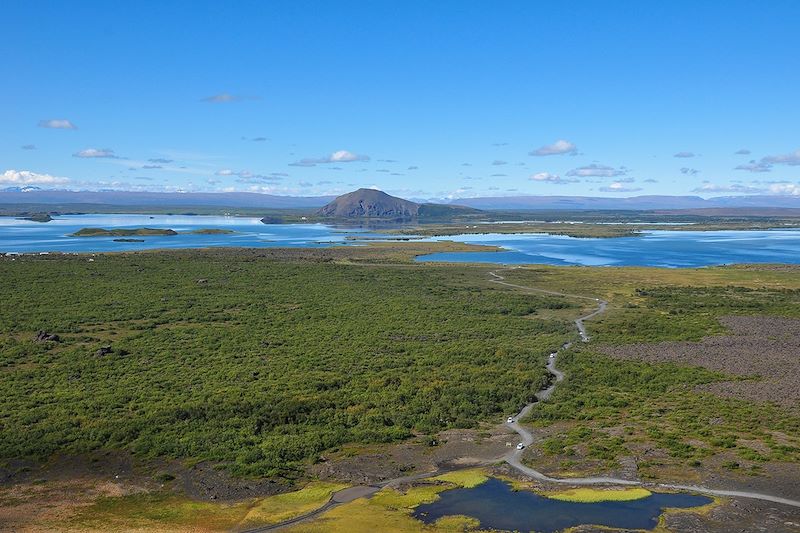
(708, 187)
(595, 170)
(792, 159)
(684, 155)
(742, 151)
(160, 160)
(28, 147)
(546, 177)
(57, 124)
(689, 171)
(619, 187)
(27, 177)
(245, 176)
(97, 153)
(560, 147)
(498, 162)
(223, 98)
(755, 166)
(339, 156)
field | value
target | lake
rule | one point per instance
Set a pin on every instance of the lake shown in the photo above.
(27, 236)
(497, 506)
(655, 248)
(673, 249)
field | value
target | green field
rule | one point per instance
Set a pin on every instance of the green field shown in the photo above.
(257, 361)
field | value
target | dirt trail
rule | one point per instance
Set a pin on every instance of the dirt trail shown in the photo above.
(514, 457)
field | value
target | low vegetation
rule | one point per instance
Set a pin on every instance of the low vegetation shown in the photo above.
(659, 413)
(121, 232)
(256, 362)
(590, 495)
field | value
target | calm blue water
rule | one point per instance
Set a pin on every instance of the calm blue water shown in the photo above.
(497, 506)
(657, 248)
(26, 236)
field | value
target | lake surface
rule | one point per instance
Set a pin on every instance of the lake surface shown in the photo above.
(27, 236)
(656, 248)
(497, 506)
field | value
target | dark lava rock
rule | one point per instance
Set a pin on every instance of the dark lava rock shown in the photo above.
(104, 350)
(43, 336)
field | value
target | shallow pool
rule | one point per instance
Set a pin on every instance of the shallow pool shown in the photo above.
(497, 506)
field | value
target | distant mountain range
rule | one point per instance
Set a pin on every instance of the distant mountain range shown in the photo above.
(122, 198)
(33, 195)
(634, 203)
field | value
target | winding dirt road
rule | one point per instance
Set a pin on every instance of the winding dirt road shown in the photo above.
(514, 457)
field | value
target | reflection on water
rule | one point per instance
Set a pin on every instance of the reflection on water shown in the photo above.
(672, 249)
(657, 248)
(497, 506)
(27, 236)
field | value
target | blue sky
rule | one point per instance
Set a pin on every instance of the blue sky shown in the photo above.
(423, 99)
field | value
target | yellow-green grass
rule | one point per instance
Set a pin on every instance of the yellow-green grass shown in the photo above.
(428, 492)
(390, 509)
(291, 504)
(464, 478)
(365, 516)
(589, 495)
(163, 512)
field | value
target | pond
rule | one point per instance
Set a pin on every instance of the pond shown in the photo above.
(497, 506)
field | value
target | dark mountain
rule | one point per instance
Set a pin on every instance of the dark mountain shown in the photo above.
(369, 203)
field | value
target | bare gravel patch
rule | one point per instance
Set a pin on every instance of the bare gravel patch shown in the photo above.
(759, 347)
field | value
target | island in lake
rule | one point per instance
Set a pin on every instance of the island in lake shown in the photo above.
(140, 232)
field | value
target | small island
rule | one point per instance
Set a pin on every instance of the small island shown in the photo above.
(122, 232)
(39, 217)
(212, 231)
(144, 232)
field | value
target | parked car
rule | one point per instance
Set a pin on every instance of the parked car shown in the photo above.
(520, 446)
(510, 420)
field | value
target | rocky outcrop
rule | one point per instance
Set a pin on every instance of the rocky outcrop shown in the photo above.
(43, 336)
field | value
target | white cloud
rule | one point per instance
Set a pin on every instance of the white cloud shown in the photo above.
(26, 177)
(557, 148)
(790, 189)
(792, 159)
(546, 177)
(595, 170)
(742, 151)
(619, 187)
(339, 156)
(58, 124)
(97, 153)
(684, 154)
